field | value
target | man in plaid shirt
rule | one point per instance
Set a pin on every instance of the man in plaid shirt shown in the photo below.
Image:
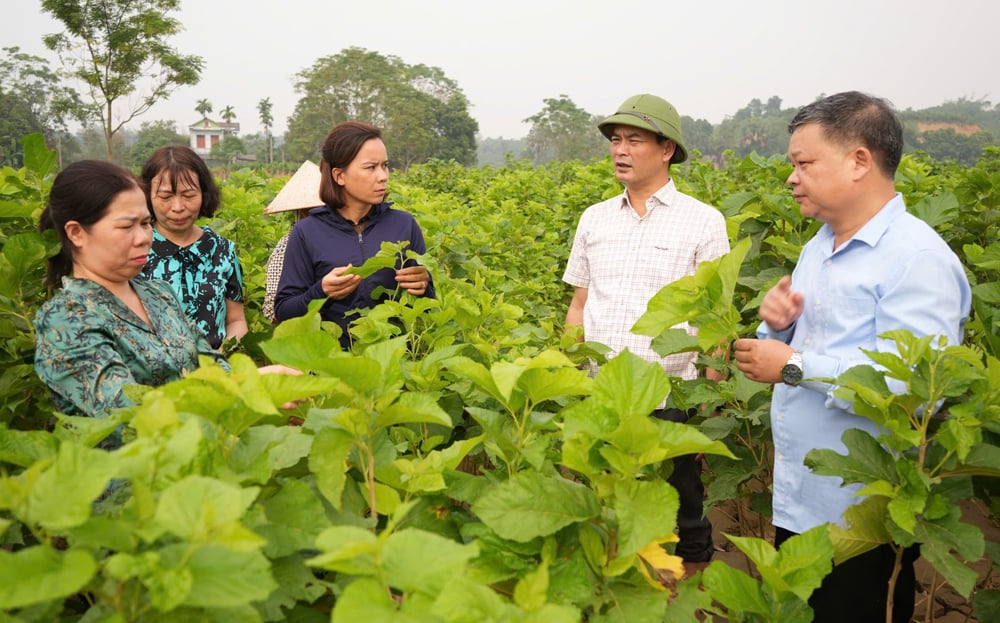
(628, 248)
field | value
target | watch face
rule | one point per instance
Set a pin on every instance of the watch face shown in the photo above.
(791, 374)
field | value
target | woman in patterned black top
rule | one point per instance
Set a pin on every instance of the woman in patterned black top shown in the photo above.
(200, 265)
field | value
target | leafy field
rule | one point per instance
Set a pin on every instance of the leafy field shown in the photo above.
(458, 465)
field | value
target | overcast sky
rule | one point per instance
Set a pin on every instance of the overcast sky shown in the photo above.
(709, 58)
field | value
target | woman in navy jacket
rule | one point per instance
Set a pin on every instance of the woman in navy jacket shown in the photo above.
(346, 231)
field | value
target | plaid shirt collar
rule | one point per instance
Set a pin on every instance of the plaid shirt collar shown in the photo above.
(665, 196)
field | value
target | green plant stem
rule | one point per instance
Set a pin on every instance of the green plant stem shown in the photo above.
(370, 482)
(896, 567)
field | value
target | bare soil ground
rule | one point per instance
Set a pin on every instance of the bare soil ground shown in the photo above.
(935, 601)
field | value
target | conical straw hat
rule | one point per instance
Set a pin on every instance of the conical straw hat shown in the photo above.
(300, 192)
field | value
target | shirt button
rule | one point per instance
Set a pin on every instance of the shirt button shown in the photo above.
(829, 262)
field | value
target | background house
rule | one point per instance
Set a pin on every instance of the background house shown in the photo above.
(206, 133)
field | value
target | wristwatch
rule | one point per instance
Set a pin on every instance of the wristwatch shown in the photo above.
(791, 373)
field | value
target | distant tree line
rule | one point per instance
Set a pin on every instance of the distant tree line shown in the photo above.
(958, 131)
(423, 113)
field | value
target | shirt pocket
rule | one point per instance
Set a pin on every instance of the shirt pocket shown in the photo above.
(668, 260)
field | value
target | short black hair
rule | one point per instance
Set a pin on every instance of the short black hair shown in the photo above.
(852, 117)
(82, 192)
(182, 164)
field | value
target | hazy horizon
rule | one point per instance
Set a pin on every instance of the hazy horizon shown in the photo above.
(708, 59)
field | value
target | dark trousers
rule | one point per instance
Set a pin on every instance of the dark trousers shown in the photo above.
(855, 590)
(693, 529)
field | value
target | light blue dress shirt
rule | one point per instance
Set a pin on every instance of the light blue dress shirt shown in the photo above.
(895, 273)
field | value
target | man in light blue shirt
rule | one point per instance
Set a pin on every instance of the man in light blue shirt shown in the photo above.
(871, 268)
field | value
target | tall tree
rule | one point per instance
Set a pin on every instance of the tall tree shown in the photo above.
(93, 145)
(422, 113)
(755, 128)
(228, 114)
(564, 131)
(114, 47)
(228, 150)
(16, 122)
(203, 107)
(151, 136)
(33, 93)
(266, 120)
(697, 134)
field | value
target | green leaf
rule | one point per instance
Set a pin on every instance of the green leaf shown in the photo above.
(961, 577)
(362, 374)
(633, 604)
(951, 533)
(37, 156)
(987, 604)
(197, 507)
(865, 530)
(38, 574)
(296, 583)
(505, 376)
(387, 499)
(367, 600)
(910, 499)
(983, 460)
(679, 439)
(25, 252)
(531, 590)
(328, 461)
(263, 450)
(416, 561)
(477, 373)
(738, 592)
(689, 603)
(802, 563)
(283, 388)
(295, 518)
(866, 461)
(223, 578)
(707, 294)
(936, 210)
(388, 256)
(347, 549)
(541, 385)
(84, 430)
(22, 448)
(61, 496)
(757, 550)
(413, 408)
(308, 352)
(646, 512)
(673, 341)
(531, 504)
(464, 600)
(630, 386)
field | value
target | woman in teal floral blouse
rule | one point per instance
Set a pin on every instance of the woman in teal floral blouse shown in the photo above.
(199, 264)
(104, 329)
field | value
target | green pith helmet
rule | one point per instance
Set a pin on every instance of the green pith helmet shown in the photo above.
(649, 113)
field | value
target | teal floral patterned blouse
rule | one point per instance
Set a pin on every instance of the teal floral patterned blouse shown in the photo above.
(204, 274)
(89, 344)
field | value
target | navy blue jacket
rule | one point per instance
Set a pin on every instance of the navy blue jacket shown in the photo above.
(325, 240)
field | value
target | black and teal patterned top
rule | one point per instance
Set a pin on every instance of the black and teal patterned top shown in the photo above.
(89, 344)
(204, 274)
